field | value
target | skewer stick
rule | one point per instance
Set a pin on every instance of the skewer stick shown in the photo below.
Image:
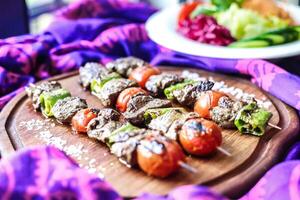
(224, 151)
(274, 126)
(187, 167)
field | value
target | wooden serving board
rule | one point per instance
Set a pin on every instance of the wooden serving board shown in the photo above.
(251, 156)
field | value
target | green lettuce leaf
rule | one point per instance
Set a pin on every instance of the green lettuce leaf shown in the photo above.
(225, 4)
(244, 23)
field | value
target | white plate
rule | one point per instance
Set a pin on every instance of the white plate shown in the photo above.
(161, 28)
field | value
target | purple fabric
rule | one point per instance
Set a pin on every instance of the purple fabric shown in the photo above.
(102, 30)
(281, 182)
(188, 192)
(47, 173)
(294, 152)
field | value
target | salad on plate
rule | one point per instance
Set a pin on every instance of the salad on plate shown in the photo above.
(237, 23)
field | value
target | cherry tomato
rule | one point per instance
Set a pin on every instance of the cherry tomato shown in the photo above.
(82, 119)
(200, 137)
(142, 74)
(206, 102)
(125, 96)
(159, 164)
(186, 10)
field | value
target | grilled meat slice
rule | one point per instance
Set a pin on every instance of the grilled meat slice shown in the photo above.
(164, 122)
(124, 66)
(124, 136)
(111, 90)
(89, 72)
(34, 92)
(101, 129)
(189, 94)
(157, 83)
(64, 109)
(226, 111)
(176, 126)
(125, 145)
(109, 114)
(104, 124)
(139, 103)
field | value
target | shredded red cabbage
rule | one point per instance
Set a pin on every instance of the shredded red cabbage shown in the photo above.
(205, 29)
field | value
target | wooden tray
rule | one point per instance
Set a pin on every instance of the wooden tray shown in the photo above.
(231, 176)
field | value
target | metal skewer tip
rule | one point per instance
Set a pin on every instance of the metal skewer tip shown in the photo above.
(187, 167)
(224, 151)
(274, 126)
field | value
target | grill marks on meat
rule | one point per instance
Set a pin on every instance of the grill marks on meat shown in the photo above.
(34, 92)
(126, 144)
(101, 127)
(203, 86)
(138, 105)
(123, 144)
(64, 109)
(124, 66)
(111, 90)
(189, 94)
(109, 114)
(226, 111)
(157, 83)
(171, 122)
(89, 72)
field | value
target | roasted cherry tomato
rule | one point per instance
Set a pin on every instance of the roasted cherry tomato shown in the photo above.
(206, 102)
(142, 74)
(186, 10)
(200, 137)
(159, 158)
(82, 119)
(125, 96)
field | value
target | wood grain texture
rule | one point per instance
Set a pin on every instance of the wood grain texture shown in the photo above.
(232, 176)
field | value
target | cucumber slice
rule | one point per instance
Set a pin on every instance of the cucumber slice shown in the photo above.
(297, 28)
(250, 44)
(277, 37)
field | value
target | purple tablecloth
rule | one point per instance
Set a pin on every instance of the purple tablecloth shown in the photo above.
(102, 30)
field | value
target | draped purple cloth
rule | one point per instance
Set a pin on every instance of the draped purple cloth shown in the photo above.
(100, 31)
(47, 173)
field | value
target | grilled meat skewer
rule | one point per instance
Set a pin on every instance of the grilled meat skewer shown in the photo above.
(198, 94)
(135, 102)
(128, 144)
